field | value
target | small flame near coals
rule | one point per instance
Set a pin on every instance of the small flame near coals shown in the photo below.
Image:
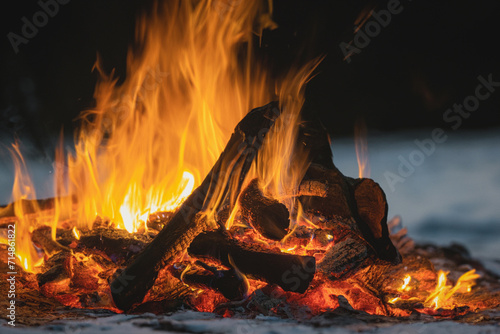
(443, 294)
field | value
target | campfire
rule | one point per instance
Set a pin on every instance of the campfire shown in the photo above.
(195, 184)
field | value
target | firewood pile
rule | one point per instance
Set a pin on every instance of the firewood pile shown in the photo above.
(344, 251)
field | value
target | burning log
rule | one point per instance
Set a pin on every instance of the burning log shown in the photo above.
(344, 257)
(43, 238)
(290, 272)
(58, 269)
(360, 200)
(268, 216)
(227, 282)
(131, 285)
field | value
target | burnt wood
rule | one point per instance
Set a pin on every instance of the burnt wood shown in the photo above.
(360, 199)
(290, 272)
(131, 285)
(228, 282)
(372, 208)
(266, 215)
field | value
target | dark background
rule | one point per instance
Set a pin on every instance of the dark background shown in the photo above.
(428, 58)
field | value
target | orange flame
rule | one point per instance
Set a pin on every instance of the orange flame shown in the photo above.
(443, 293)
(76, 233)
(150, 140)
(23, 194)
(361, 143)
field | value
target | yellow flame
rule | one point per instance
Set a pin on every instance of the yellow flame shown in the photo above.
(393, 300)
(442, 296)
(76, 233)
(24, 207)
(150, 140)
(405, 286)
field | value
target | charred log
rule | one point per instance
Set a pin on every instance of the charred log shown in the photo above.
(290, 272)
(361, 200)
(344, 193)
(227, 282)
(372, 209)
(268, 216)
(344, 257)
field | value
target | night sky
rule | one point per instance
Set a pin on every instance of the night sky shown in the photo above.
(425, 60)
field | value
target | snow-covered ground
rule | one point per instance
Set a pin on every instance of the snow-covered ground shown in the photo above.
(449, 193)
(198, 322)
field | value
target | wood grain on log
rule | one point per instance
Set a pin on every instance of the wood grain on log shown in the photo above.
(344, 257)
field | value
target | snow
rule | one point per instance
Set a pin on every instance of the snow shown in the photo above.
(197, 322)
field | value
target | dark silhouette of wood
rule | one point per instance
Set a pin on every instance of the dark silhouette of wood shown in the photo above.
(228, 282)
(290, 272)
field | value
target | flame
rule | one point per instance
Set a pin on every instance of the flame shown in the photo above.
(361, 144)
(76, 233)
(24, 206)
(149, 141)
(442, 295)
(405, 286)
(191, 77)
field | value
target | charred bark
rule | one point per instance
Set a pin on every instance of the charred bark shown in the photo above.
(227, 282)
(290, 272)
(268, 216)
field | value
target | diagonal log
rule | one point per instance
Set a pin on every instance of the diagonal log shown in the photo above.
(131, 285)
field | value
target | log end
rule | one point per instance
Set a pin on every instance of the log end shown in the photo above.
(266, 215)
(372, 210)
